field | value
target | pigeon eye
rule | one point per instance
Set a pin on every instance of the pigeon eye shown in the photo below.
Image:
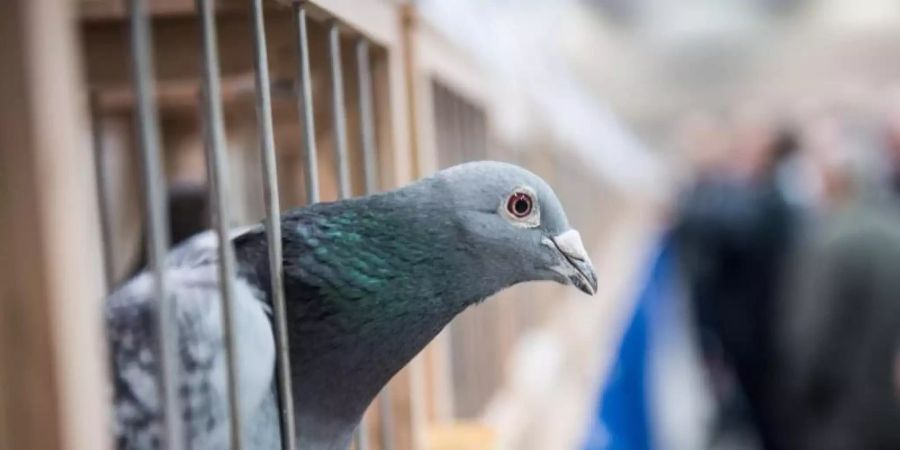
(520, 205)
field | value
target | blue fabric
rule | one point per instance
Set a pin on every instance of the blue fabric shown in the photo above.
(622, 418)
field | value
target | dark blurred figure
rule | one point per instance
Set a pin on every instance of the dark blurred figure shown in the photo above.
(841, 335)
(733, 236)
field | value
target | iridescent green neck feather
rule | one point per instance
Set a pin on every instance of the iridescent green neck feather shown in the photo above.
(369, 282)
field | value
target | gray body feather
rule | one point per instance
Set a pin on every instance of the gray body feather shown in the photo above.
(193, 281)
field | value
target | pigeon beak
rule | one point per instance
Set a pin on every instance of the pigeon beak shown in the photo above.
(577, 267)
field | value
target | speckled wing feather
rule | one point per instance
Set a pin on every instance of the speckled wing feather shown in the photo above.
(193, 282)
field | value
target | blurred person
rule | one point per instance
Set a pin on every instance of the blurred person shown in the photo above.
(706, 306)
(828, 152)
(797, 176)
(841, 332)
(754, 133)
(732, 237)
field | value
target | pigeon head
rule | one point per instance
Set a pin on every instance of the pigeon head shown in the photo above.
(517, 224)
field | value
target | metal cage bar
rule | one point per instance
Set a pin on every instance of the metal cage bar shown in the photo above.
(367, 143)
(366, 115)
(109, 276)
(273, 222)
(147, 124)
(337, 108)
(339, 125)
(217, 167)
(305, 105)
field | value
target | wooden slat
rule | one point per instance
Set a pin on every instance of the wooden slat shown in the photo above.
(95, 10)
(376, 19)
(438, 59)
(51, 368)
(461, 435)
(174, 94)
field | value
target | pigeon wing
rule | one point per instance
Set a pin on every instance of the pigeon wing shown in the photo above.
(192, 273)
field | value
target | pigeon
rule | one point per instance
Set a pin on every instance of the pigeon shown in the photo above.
(368, 282)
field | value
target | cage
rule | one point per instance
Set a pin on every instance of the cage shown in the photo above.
(130, 125)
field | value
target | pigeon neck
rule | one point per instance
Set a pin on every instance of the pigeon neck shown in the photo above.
(368, 282)
(387, 278)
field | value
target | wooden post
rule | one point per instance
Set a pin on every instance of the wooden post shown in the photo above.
(53, 393)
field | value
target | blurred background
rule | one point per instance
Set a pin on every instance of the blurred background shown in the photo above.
(731, 164)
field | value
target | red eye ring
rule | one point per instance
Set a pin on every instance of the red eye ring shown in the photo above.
(520, 205)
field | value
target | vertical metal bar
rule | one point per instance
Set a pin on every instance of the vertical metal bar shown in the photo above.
(102, 197)
(155, 202)
(217, 166)
(367, 143)
(273, 222)
(305, 105)
(339, 125)
(366, 115)
(337, 108)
